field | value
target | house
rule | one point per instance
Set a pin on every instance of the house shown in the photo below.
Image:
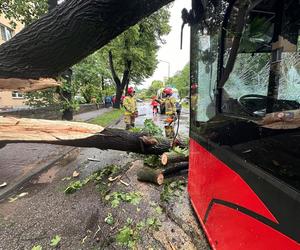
(9, 99)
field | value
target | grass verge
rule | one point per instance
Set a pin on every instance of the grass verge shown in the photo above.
(108, 117)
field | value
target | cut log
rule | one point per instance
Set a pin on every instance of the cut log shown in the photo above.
(172, 157)
(176, 168)
(13, 130)
(147, 174)
(69, 33)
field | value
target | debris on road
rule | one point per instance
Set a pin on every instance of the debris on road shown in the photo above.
(21, 195)
(124, 183)
(4, 184)
(76, 174)
(93, 159)
(147, 174)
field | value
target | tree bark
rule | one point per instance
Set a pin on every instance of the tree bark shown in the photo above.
(69, 33)
(120, 85)
(175, 169)
(13, 130)
(52, 4)
(150, 175)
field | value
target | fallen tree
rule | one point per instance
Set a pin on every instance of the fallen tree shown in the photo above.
(16, 130)
(67, 34)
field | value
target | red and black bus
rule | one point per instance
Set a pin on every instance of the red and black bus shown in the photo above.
(244, 177)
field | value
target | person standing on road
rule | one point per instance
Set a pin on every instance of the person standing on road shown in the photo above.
(129, 103)
(154, 105)
(170, 108)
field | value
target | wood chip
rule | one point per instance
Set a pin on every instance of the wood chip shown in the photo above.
(124, 183)
(112, 179)
(93, 159)
(76, 174)
(4, 184)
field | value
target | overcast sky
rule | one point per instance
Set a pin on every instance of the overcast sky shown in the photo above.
(170, 51)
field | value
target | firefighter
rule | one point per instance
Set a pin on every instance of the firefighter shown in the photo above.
(129, 103)
(170, 108)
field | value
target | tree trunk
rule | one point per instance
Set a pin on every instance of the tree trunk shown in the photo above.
(67, 96)
(69, 33)
(13, 130)
(126, 88)
(119, 92)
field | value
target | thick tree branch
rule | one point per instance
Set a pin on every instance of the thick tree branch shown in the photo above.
(240, 24)
(78, 134)
(126, 74)
(67, 34)
(113, 71)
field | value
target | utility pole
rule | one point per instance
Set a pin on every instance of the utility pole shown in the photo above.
(169, 66)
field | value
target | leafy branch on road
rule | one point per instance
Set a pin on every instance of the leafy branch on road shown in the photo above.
(172, 189)
(149, 128)
(130, 234)
(115, 198)
(96, 177)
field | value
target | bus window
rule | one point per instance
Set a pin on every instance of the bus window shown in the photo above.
(262, 82)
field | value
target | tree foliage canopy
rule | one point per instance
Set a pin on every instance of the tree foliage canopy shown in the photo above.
(154, 87)
(24, 11)
(139, 45)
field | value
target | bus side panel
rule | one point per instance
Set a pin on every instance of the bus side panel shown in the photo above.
(213, 183)
(245, 232)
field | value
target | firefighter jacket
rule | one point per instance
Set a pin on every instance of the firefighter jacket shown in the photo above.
(129, 104)
(170, 106)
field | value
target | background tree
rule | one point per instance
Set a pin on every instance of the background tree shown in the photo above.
(132, 55)
(181, 81)
(92, 78)
(154, 87)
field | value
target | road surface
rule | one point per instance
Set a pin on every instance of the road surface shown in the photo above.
(20, 160)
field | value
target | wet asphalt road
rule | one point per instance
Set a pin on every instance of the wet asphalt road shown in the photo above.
(19, 160)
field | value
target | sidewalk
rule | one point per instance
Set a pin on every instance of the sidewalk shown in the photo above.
(20, 161)
(90, 115)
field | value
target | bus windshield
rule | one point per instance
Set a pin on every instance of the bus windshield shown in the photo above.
(265, 77)
(255, 71)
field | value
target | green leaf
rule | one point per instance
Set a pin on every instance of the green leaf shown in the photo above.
(115, 203)
(158, 210)
(55, 241)
(109, 219)
(73, 187)
(124, 236)
(38, 247)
